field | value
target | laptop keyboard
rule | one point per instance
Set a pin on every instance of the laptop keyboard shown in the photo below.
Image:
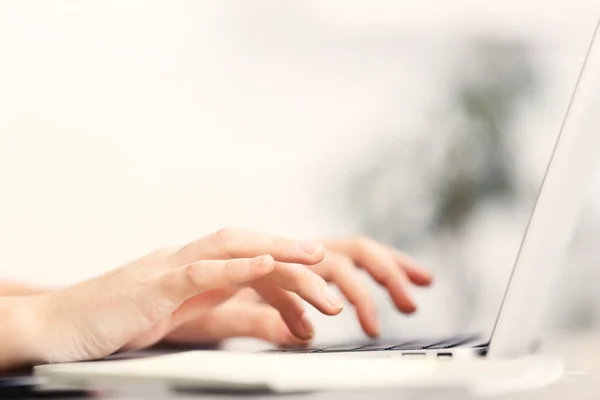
(472, 341)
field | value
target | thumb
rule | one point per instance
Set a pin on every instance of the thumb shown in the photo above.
(189, 280)
(237, 319)
(95, 318)
(199, 304)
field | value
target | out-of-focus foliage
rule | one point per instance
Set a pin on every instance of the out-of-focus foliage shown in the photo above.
(422, 192)
(408, 190)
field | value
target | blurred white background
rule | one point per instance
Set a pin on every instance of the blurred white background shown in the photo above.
(127, 125)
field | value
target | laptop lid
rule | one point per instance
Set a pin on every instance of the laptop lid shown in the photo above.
(554, 218)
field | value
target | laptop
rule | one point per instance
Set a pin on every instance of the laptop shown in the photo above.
(518, 325)
(543, 247)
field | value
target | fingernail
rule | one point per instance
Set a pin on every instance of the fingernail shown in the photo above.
(309, 247)
(374, 320)
(410, 308)
(307, 327)
(377, 330)
(332, 298)
(260, 261)
(425, 273)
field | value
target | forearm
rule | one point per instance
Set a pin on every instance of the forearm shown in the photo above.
(9, 289)
(17, 327)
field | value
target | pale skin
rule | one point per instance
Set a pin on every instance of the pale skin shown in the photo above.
(232, 283)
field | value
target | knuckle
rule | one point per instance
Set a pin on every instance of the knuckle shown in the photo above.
(275, 241)
(164, 253)
(394, 277)
(307, 280)
(132, 275)
(189, 274)
(341, 265)
(230, 272)
(301, 276)
(155, 256)
(304, 274)
(345, 262)
(381, 278)
(362, 243)
(224, 235)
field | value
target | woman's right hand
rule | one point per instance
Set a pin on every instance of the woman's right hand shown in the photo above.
(130, 306)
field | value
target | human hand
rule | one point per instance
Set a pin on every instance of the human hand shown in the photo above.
(389, 267)
(245, 316)
(131, 306)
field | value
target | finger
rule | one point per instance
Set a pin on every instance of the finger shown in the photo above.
(184, 282)
(341, 270)
(200, 304)
(382, 266)
(236, 243)
(237, 319)
(415, 273)
(191, 309)
(289, 306)
(248, 295)
(308, 285)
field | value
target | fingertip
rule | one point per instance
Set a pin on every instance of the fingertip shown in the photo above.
(336, 311)
(308, 330)
(268, 262)
(334, 303)
(418, 275)
(312, 252)
(409, 308)
(402, 298)
(276, 331)
(370, 322)
(319, 254)
(424, 276)
(422, 281)
(373, 334)
(286, 338)
(301, 332)
(429, 277)
(262, 265)
(405, 305)
(371, 328)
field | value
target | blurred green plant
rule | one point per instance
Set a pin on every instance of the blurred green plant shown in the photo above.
(480, 157)
(415, 190)
(407, 190)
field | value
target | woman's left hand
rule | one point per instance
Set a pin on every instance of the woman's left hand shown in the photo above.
(215, 316)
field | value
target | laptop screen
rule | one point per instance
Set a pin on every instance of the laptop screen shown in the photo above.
(452, 170)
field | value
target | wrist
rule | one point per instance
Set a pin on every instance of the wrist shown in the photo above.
(19, 289)
(19, 330)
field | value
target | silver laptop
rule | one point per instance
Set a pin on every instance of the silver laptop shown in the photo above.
(543, 247)
(542, 253)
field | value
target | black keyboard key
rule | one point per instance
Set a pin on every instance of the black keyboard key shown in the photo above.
(390, 345)
(294, 350)
(413, 345)
(453, 342)
(340, 348)
(377, 346)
